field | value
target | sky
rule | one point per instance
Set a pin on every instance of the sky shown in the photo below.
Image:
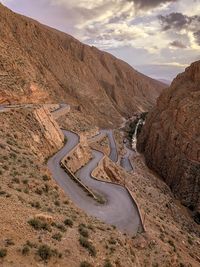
(160, 38)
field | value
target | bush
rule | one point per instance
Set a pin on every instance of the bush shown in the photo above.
(57, 236)
(39, 225)
(60, 227)
(68, 222)
(57, 203)
(45, 177)
(107, 263)
(85, 264)
(44, 252)
(112, 241)
(9, 242)
(25, 250)
(83, 231)
(86, 244)
(3, 252)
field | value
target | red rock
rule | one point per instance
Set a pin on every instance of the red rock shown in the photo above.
(170, 139)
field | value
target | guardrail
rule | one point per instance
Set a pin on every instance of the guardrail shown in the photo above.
(73, 177)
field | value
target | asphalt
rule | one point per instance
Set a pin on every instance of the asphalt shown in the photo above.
(119, 210)
(113, 148)
(125, 160)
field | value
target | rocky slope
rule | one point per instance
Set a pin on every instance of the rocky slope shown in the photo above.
(49, 230)
(170, 139)
(40, 64)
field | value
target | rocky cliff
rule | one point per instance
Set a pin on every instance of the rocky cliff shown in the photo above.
(40, 64)
(170, 139)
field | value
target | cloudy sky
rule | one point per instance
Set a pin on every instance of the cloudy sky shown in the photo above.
(157, 37)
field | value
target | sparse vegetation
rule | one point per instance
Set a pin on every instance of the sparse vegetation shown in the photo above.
(44, 252)
(107, 263)
(25, 250)
(83, 231)
(37, 224)
(57, 236)
(3, 252)
(61, 227)
(68, 222)
(45, 177)
(86, 264)
(88, 245)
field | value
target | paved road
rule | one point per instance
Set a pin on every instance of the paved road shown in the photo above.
(125, 160)
(113, 148)
(119, 209)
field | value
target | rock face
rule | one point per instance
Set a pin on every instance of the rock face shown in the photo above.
(49, 127)
(39, 64)
(170, 139)
(79, 156)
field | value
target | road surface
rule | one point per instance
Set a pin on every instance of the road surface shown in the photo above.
(119, 210)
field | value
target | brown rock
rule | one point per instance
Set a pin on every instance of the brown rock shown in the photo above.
(40, 64)
(170, 139)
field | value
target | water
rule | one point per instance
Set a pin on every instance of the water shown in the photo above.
(134, 137)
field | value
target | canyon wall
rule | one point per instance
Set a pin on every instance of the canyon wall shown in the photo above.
(170, 139)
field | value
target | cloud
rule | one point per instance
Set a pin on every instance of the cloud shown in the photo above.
(174, 21)
(180, 23)
(150, 3)
(177, 44)
(197, 37)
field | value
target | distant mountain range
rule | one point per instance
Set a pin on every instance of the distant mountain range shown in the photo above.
(168, 82)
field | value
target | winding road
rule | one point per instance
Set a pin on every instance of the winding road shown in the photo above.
(119, 210)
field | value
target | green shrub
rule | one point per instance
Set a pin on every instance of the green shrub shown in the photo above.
(38, 224)
(88, 245)
(57, 236)
(61, 227)
(85, 264)
(9, 242)
(16, 180)
(57, 203)
(45, 177)
(44, 252)
(83, 231)
(25, 250)
(68, 222)
(107, 263)
(112, 241)
(3, 252)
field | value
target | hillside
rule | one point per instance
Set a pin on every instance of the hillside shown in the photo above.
(41, 226)
(40, 65)
(170, 138)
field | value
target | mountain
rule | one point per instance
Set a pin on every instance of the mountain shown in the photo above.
(40, 64)
(167, 82)
(170, 139)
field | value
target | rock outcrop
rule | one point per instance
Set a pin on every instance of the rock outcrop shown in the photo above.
(39, 64)
(49, 128)
(170, 139)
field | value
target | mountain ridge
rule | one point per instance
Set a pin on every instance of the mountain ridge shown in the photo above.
(41, 64)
